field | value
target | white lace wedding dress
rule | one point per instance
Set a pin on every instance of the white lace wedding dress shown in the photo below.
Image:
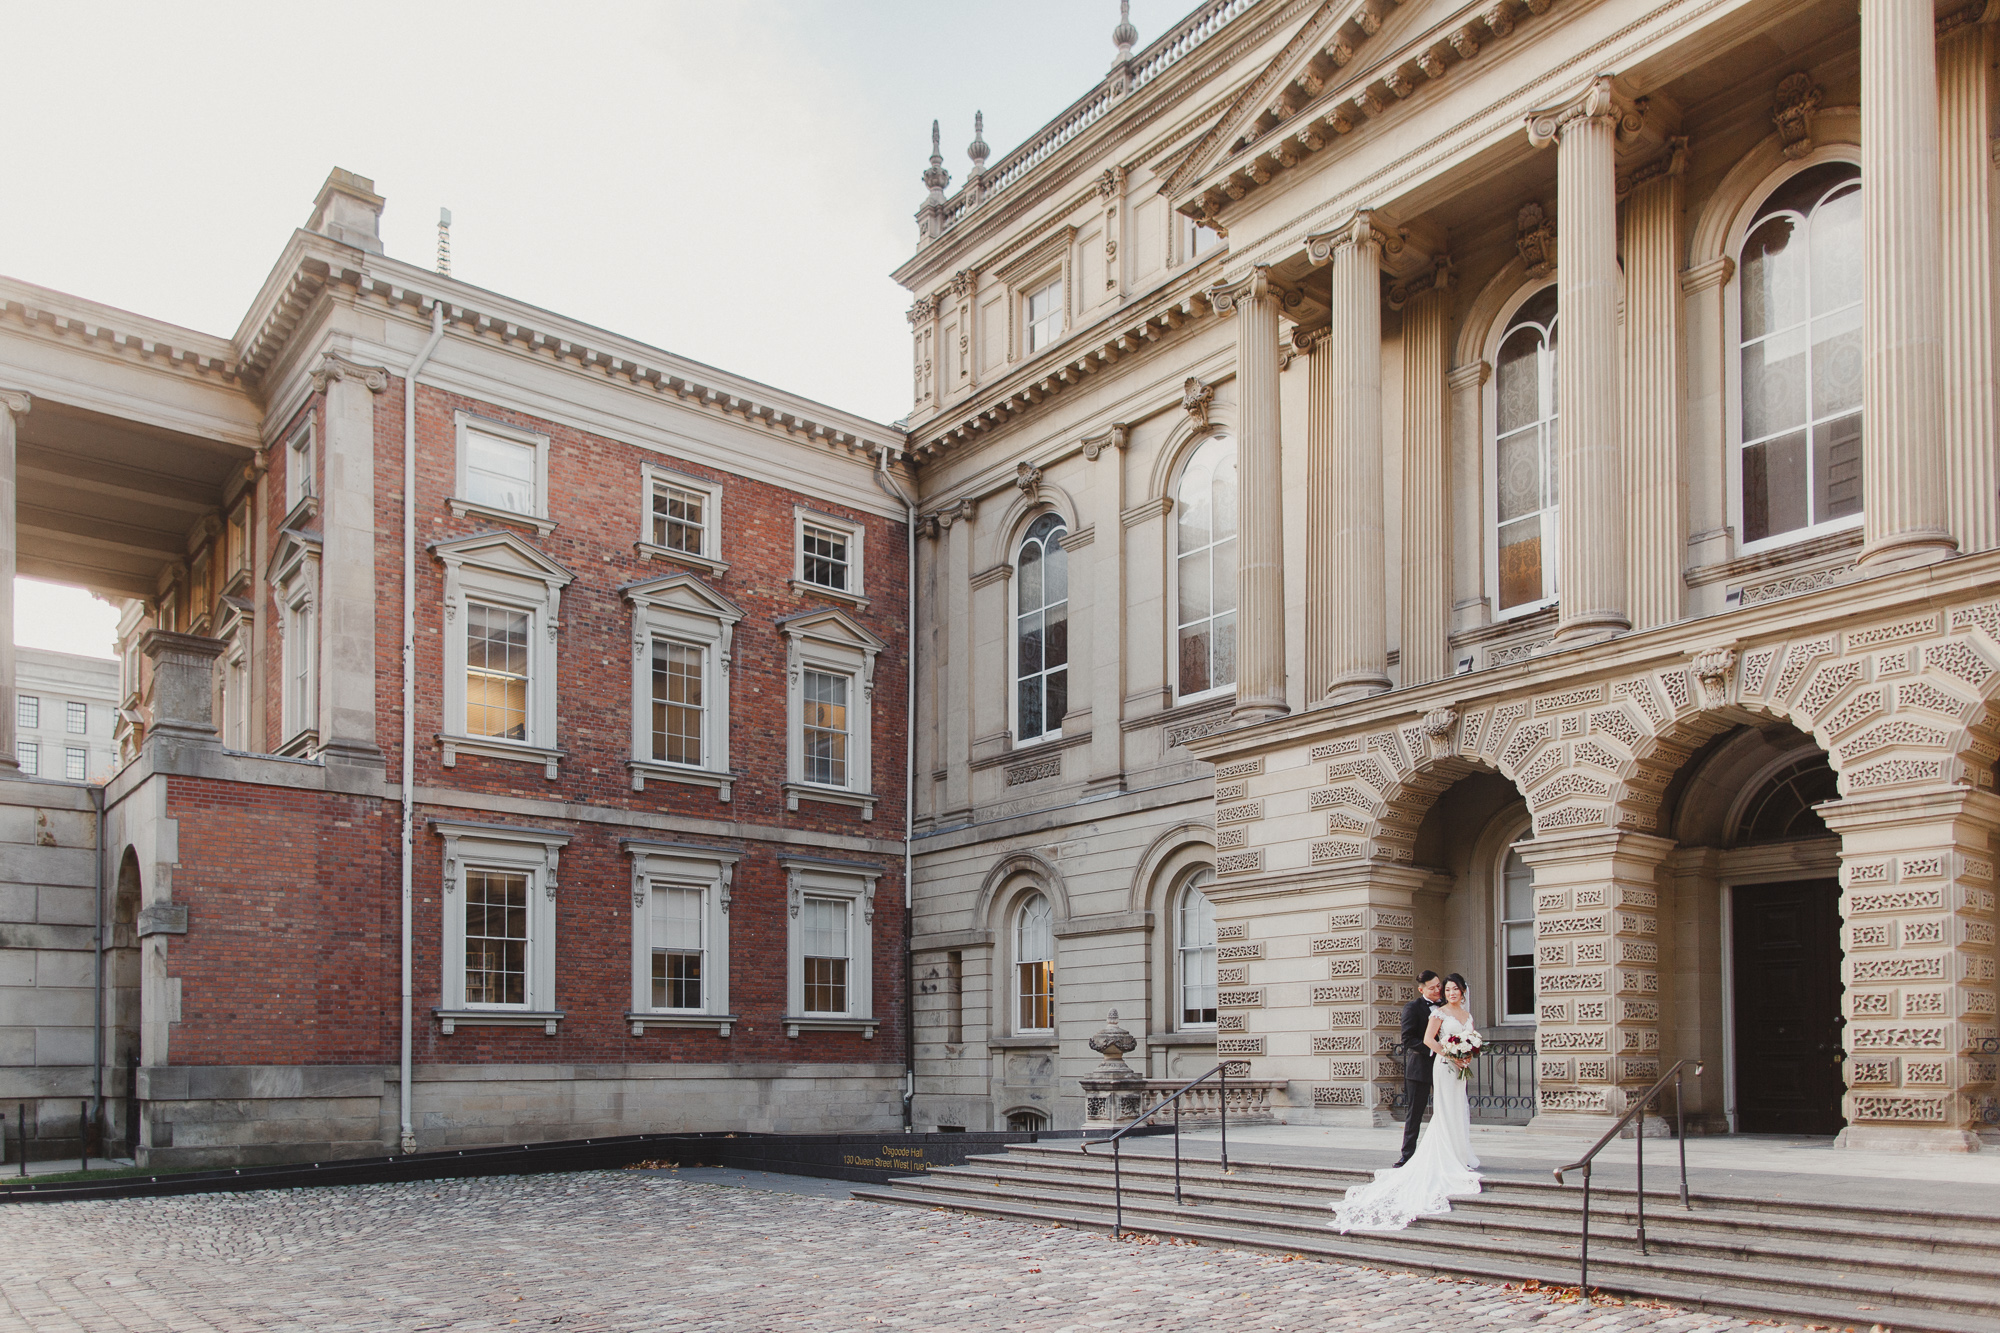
(1442, 1167)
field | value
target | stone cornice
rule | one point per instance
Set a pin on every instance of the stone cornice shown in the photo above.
(119, 333)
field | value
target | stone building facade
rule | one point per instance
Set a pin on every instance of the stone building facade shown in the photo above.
(622, 851)
(66, 715)
(1395, 494)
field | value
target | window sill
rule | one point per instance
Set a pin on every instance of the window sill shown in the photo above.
(1185, 1037)
(648, 551)
(1776, 557)
(469, 509)
(304, 511)
(806, 791)
(493, 749)
(718, 1023)
(450, 1020)
(797, 1023)
(1034, 1041)
(645, 769)
(853, 599)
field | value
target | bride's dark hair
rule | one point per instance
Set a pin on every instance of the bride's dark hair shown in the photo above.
(1453, 979)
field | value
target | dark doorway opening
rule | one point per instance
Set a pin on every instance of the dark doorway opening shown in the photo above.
(1786, 981)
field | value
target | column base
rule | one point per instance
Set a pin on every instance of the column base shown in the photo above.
(1906, 1138)
(1906, 550)
(1589, 629)
(1356, 685)
(1245, 713)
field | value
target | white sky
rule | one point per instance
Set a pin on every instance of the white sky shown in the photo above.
(729, 179)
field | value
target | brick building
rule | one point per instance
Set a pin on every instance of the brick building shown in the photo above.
(636, 810)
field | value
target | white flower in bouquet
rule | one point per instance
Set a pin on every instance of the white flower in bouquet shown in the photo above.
(1463, 1048)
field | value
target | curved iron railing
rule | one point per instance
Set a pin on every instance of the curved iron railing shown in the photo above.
(1583, 1163)
(1221, 1075)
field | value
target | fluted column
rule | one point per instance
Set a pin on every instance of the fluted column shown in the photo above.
(1590, 527)
(1322, 485)
(955, 597)
(1902, 392)
(1966, 211)
(13, 405)
(1426, 564)
(1653, 392)
(1260, 539)
(1469, 607)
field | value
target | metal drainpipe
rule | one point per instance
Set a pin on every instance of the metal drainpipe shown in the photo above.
(894, 491)
(408, 1140)
(97, 983)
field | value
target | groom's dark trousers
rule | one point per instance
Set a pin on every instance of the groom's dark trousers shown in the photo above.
(1416, 1072)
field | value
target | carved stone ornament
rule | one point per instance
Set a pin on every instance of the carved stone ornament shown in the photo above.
(1028, 478)
(1115, 438)
(1113, 1043)
(1599, 101)
(333, 366)
(1437, 725)
(1712, 667)
(1792, 112)
(1195, 399)
(1437, 278)
(1535, 238)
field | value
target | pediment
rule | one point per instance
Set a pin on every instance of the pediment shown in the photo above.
(502, 553)
(830, 625)
(683, 592)
(293, 547)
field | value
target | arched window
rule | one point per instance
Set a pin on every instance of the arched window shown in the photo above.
(1041, 635)
(1799, 325)
(1524, 456)
(1026, 1122)
(1517, 939)
(1195, 940)
(1035, 965)
(1782, 810)
(1205, 568)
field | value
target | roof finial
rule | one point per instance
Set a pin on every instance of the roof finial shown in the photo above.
(935, 176)
(977, 150)
(1125, 35)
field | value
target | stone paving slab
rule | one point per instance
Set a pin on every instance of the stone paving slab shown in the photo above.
(608, 1250)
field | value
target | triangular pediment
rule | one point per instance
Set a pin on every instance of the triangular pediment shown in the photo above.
(683, 592)
(293, 547)
(1322, 63)
(503, 553)
(831, 625)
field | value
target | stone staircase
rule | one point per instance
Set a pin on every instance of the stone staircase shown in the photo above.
(1842, 1265)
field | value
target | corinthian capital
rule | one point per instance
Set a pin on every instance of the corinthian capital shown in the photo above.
(333, 366)
(1600, 101)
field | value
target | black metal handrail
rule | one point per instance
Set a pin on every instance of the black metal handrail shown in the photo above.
(1221, 1075)
(1583, 1163)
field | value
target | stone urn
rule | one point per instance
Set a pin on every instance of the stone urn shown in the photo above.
(1114, 1093)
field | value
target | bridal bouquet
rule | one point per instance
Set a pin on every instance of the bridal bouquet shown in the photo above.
(1463, 1046)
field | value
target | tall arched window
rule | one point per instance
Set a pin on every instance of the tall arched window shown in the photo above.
(1041, 635)
(1800, 327)
(1196, 952)
(1517, 939)
(1524, 456)
(1205, 567)
(1035, 966)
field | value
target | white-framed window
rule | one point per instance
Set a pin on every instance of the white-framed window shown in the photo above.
(1044, 314)
(29, 756)
(76, 763)
(503, 472)
(1205, 569)
(1517, 939)
(1197, 241)
(27, 711)
(828, 560)
(297, 579)
(1034, 965)
(1041, 631)
(680, 519)
(300, 451)
(502, 602)
(1797, 330)
(680, 936)
(1522, 485)
(1194, 940)
(831, 909)
(236, 544)
(830, 674)
(682, 640)
(499, 916)
(76, 717)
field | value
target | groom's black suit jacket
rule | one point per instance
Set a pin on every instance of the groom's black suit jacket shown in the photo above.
(1416, 1055)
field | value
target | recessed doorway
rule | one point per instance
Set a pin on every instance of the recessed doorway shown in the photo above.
(1785, 974)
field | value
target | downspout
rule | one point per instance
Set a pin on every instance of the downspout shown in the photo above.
(97, 984)
(895, 492)
(408, 1140)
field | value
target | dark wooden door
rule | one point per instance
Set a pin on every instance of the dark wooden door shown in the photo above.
(1786, 947)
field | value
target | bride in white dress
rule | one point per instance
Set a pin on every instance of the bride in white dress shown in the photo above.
(1443, 1166)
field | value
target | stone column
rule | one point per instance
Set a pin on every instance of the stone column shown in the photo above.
(1965, 169)
(1902, 392)
(1469, 606)
(927, 660)
(1104, 647)
(13, 406)
(1597, 972)
(1322, 487)
(955, 522)
(1652, 245)
(1425, 653)
(1917, 926)
(1260, 540)
(1590, 536)
(347, 612)
(1705, 448)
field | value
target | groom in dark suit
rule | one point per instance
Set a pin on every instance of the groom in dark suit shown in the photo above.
(1417, 1058)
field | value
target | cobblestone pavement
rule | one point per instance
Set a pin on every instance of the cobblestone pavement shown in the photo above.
(626, 1250)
